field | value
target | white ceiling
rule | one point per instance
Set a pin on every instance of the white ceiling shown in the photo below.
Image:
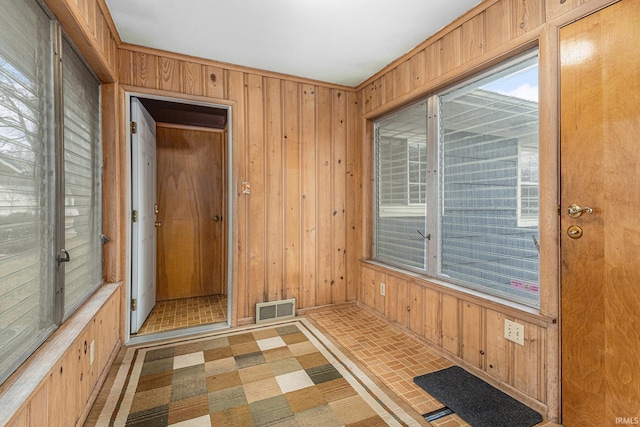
(335, 41)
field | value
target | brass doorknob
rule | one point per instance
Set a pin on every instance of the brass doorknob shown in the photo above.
(158, 224)
(217, 218)
(574, 211)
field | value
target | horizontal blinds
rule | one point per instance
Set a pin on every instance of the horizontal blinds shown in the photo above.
(401, 185)
(26, 192)
(82, 178)
(483, 242)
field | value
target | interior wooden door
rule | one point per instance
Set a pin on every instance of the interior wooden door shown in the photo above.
(191, 207)
(600, 169)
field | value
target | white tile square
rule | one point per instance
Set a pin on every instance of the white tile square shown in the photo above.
(294, 381)
(186, 360)
(204, 421)
(269, 343)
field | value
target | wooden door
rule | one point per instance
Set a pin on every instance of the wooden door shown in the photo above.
(600, 169)
(191, 207)
(143, 199)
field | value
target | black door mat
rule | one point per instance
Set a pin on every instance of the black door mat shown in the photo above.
(478, 403)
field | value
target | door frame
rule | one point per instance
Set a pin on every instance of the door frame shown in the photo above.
(230, 223)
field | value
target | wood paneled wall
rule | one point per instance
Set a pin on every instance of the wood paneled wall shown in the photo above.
(293, 142)
(468, 329)
(90, 27)
(60, 382)
(464, 329)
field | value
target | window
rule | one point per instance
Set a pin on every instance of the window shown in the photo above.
(478, 220)
(35, 293)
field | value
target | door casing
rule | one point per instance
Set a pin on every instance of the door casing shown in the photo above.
(229, 225)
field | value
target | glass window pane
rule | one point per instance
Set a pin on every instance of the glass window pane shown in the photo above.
(488, 188)
(82, 180)
(400, 196)
(26, 182)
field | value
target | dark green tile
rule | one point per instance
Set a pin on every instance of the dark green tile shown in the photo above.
(227, 399)
(157, 366)
(269, 411)
(154, 417)
(187, 389)
(161, 353)
(324, 373)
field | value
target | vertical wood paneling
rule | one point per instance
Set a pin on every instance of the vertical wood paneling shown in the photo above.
(169, 74)
(126, 68)
(236, 90)
(473, 44)
(387, 86)
(432, 316)
(499, 26)
(353, 196)
(292, 175)
(417, 309)
(451, 50)
(214, 82)
(309, 211)
(472, 328)
(402, 79)
(144, 70)
(274, 251)
(432, 60)
(496, 347)
(192, 78)
(526, 15)
(450, 324)
(526, 361)
(417, 70)
(339, 138)
(257, 200)
(324, 174)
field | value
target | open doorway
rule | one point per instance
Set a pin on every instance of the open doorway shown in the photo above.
(179, 153)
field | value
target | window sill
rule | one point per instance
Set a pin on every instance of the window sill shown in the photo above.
(521, 311)
(24, 382)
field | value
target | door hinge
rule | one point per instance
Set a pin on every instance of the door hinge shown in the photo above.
(134, 304)
(134, 127)
(134, 216)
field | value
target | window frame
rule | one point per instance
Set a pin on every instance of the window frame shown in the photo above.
(55, 153)
(433, 223)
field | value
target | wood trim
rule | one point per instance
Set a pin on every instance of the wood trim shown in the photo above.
(228, 66)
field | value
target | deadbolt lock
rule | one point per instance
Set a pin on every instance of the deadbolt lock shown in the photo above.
(574, 232)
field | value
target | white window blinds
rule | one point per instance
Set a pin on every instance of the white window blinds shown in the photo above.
(26, 181)
(82, 180)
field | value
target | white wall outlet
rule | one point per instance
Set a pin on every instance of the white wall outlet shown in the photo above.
(514, 332)
(92, 352)
(383, 289)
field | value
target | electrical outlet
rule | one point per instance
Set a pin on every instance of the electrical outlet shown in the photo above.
(91, 352)
(514, 332)
(383, 289)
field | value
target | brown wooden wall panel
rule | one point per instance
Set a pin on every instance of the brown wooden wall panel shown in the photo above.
(465, 331)
(293, 141)
(90, 28)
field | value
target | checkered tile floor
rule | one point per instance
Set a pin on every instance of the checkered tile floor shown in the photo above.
(269, 376)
